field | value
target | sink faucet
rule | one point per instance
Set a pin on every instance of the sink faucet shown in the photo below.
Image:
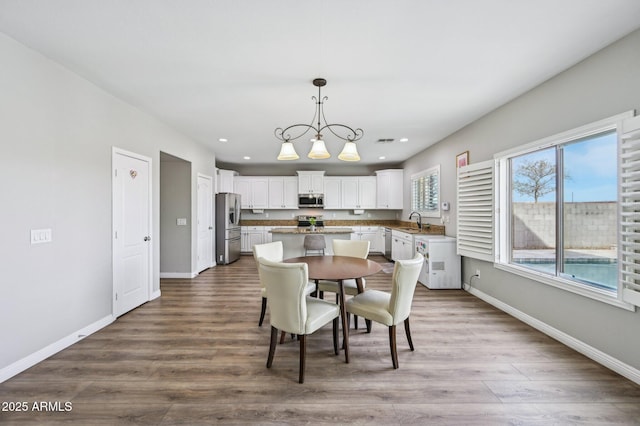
(419, 221)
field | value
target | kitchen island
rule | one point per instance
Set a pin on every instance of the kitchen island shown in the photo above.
(293, 238)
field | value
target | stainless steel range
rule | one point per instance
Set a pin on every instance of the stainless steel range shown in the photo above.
(305, 221)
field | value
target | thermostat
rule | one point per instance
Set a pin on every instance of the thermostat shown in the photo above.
(445, 206)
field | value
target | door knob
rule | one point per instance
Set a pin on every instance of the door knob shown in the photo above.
(147, 238)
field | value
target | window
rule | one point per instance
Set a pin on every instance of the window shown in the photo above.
(558, 201)
(425, 192)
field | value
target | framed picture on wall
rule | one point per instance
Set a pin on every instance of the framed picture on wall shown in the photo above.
(462, 159)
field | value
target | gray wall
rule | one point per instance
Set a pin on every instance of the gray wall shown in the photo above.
(56, 133)
(175, 202)
(603, 85)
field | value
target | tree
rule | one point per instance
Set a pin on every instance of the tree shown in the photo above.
(535, 178)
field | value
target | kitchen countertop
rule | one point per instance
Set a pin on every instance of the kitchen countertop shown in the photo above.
(404, 226)
(305, 230)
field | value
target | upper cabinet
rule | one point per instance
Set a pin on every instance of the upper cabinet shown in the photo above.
(283, 192)
(332, 192)
(253, 190)
(359, 192)
(310, 182)
(383, 191)
(390, 189)
(225, 180)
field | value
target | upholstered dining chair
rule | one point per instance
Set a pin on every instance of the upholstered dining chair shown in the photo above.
(392, 308)
(291, 310)
(274, 252)
(352, 248)
(315, 242)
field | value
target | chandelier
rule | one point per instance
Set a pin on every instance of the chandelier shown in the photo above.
(318, 149)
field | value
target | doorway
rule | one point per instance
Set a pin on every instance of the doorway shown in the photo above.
(205, 222)
(132, 244)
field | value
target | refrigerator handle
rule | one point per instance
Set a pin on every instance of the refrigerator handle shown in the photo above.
(237, 210)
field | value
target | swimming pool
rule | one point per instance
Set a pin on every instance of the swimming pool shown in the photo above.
(601, 274)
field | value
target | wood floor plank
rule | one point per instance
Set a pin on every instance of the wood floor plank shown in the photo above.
(197, 356)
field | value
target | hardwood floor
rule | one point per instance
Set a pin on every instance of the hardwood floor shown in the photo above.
(197, 356)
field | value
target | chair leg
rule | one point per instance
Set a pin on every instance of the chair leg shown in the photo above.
(335, 335)
(303, 352)
(272, 346)
(407, 330)
(355, 322)
(262, 311)
(368, 323)
(392, 344)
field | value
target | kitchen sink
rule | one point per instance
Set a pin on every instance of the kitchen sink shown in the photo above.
(409, 230)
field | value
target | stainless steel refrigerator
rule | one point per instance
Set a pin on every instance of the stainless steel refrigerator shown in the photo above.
(227, 228)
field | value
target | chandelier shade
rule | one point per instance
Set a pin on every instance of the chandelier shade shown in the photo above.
(287, 152)
(319, 150)
(349, 152)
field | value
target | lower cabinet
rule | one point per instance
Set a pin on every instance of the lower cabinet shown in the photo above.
(401, 246)
(372, 234)
(250, 235)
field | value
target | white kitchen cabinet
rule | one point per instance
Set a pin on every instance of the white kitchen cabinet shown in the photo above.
(332, 192)
(254, 191)
(249, 236)
(402, 246)
(225, 180)
(283, 192)
(266, 234)
(311, 182)
(359, 192)
(371, 234)
(390, 189)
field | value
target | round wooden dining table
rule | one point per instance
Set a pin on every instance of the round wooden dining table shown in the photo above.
(339, 268)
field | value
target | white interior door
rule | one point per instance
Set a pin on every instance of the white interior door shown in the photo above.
(131, 230)
(205, 222)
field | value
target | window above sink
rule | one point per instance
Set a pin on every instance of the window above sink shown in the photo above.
(425, 192)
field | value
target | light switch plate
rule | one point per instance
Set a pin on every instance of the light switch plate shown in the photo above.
(182, 221)
(39, 236)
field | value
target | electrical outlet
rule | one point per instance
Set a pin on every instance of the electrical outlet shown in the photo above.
(478, 273)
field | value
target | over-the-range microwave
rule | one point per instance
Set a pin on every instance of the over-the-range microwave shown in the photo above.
(311, 200)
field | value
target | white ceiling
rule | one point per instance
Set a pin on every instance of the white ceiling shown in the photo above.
(418, 69)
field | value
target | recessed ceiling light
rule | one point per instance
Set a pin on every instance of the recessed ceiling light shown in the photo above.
(222, 140)
(247, 157)
(382, 157)
(404, 140)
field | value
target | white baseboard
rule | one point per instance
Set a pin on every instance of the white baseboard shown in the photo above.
(44, 353)
(155, 295)
(597, 355)
(186, 275)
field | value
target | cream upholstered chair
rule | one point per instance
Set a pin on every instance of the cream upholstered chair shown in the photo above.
(392, 308)
(352, 248)
(274, 252)
(291, 310)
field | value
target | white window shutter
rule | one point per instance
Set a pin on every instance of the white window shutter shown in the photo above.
(475, 204)
(630, 211)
